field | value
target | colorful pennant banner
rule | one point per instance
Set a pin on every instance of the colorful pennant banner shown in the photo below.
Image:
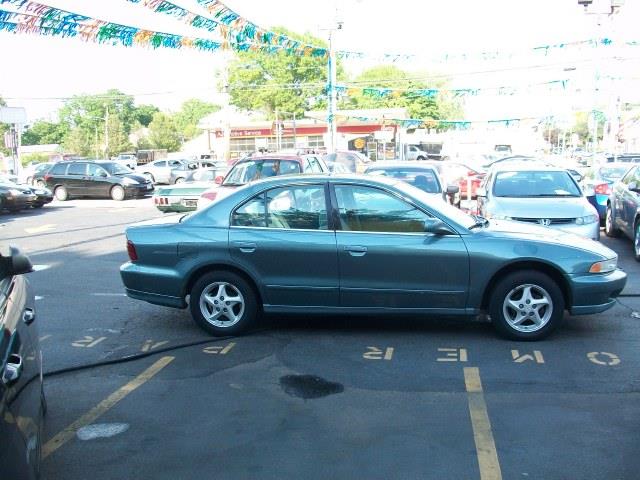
(36, 18)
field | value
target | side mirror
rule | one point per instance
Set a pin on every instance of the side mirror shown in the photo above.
(481, 192)
(15, 263)
(218, 180)
(436, 226)
(452, 189)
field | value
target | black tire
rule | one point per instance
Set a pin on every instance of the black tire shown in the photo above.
(636, 240)
(38, 205)
(150, 177)
(610, 229)
(420, 158)
(179, 180)
(510, 286)
(61, 193)
(117, 193)
(233, 285)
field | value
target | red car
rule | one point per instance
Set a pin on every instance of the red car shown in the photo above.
(256, 168)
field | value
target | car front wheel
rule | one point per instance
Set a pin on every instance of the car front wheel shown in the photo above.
(117, 193)
(61, 193)
(610, 229)
(223, 303)
(636, 241)
(526, 306)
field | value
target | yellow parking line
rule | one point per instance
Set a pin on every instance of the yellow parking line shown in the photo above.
(68, 433)
(482, 435)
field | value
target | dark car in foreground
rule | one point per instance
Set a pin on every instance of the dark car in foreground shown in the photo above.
(363, 245)
(14, 197)
(98, 179)
(22, 403)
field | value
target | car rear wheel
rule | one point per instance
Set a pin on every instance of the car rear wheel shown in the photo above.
(526, 305)
(636, 241)
(223, 303)
(117, 193)
(150, 177)
(609, 228)
(61, 193)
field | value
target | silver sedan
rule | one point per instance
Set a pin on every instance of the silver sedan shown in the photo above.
(532, 193)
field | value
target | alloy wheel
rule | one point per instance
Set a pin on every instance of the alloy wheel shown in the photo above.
(222, 304)
(527, 308)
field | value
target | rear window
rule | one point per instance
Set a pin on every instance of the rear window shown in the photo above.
(613, 173)
(424, 178)
(251, 170)
(58, 169)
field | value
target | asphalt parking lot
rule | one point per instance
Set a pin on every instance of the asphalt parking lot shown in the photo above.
(314, 397)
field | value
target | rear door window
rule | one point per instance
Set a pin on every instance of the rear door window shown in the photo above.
(77, 169)
(59, 169)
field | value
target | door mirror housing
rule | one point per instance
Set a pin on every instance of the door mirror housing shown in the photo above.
(437, 227)
(452, 189)
(13, 262)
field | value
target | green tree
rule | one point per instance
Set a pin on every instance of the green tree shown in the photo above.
(3, 128)
(405, 86)
(163, 133)
(45, 133)
(87, 113)
(144, 114)
(291, 83)
(191, 112)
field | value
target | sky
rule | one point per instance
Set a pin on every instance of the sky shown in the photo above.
(38, 72)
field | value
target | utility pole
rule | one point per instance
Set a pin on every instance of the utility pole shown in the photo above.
(106, 133)
(333, 97)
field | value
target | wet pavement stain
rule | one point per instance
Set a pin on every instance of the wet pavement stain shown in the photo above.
(309, 386)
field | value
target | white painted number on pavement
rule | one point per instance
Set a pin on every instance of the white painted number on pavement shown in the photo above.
(218, 349)
(453, 355)
(374, 353)
(88, 341)
(536, 357)
(149, 345)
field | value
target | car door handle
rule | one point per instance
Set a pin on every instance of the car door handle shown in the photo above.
(12, 369)
(246, 247)
(28, 316)
(355, 250)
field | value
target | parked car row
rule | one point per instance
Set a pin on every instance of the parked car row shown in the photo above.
(15, 197)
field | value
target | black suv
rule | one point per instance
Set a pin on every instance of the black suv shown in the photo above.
(95, 179)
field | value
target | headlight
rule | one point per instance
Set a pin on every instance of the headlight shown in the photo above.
(604, 266)
(588, 219)
(129, 181)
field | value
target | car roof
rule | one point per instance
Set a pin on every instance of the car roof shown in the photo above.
(328, 177)
(403, 163)
(526, 166)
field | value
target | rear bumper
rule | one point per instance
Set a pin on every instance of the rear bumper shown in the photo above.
(593, 293)
(166, 284)
(156, 299)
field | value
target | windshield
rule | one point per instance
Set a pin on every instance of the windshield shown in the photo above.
(535, 184)
(613, 173)
(423, 178)
(437, 205)
(252, 170)
(115, 168)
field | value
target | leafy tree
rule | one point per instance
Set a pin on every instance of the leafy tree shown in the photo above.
(3, 128)
(163, 133)
(291, 83)
(144, 114)
(190, 114)
(44, 133)
(86, 112)
(439, 107)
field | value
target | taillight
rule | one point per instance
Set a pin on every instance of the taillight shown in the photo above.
(131, 250)
(47, 177)
(603, 189)
(209, 195)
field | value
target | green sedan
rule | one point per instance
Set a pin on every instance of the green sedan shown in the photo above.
(183, 196)
(363, 245)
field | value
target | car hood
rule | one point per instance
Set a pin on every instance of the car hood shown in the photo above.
(545, 207)
(527, 231)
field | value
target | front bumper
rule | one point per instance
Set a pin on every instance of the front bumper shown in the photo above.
(595, 293)
(138, 191)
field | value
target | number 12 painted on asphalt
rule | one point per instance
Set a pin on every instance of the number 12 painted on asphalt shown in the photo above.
(374, 353)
